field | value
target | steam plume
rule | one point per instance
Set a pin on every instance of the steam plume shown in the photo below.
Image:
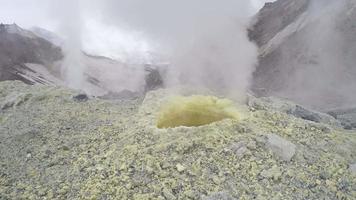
(324, 73)
(205, 40)
(70, 24)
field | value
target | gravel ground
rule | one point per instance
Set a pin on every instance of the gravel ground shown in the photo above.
(53, 146)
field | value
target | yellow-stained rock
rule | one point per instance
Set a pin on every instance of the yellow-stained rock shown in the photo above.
(195, 111)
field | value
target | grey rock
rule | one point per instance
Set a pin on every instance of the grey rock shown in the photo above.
(281, 147)
(269, 103)
(219, 196)
(353, 168)
(168, 194)
(340, 112)
(286, 106)
(272, 173)
(347, 126)
(239, 148)
(303, 113)
(252, 145)
(81, 97)
(153, 78)
(180, 167)
(347, 117)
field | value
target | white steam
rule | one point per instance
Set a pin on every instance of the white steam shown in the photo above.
(71, 25)
(116, 43)
(205, 40)
(324, 57)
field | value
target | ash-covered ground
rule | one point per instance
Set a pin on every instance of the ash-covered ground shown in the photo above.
(56, 144)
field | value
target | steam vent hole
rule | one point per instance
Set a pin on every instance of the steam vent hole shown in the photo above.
(195, 111)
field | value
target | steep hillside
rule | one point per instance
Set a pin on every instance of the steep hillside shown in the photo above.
(307, 52)
(34, 58)
(19, 47)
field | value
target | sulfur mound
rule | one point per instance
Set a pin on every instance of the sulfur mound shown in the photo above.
(195, 111)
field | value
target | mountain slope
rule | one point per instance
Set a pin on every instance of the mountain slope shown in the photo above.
(307, 50)
(19, 47)
(34, 57)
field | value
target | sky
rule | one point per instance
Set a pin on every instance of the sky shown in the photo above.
(29, 13)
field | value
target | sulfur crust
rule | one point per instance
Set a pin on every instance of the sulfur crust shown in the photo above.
(195, 110)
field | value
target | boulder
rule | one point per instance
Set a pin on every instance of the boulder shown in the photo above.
(281, 147)
(153, 78)
(347, 117)
(82, 97)
(239, 149)
(303, 113)
(286, 106)
(273, 173)
(353, 168)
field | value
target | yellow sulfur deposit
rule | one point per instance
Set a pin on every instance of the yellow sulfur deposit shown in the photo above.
(195, 111)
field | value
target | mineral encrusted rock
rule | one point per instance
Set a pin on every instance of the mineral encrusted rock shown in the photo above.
(286, 106)
(353, 168)
(54, 147)
(280, 147)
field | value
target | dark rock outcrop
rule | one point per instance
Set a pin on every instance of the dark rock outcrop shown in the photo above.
(154, 79)
(346, 116)
(18, 47)
(274, 17)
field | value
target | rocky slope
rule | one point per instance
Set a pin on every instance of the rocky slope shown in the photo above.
(307, 50)
(19, 47)
(56, 144)
(34, 57)
(47, 35)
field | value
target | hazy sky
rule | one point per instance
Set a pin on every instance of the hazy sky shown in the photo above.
(29, 13)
